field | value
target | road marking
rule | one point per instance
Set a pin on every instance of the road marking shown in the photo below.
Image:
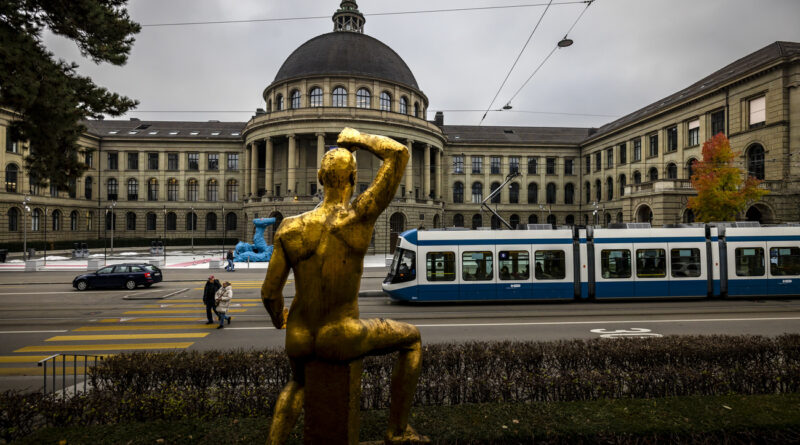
(173, 311)
(199, 300)
(192, 306)
(38, 293)
(34, 332)
(144, 328)
(151, 319)
(117, 347)
(144, 295)
(126, 336)
(22, 358)
(251, 328)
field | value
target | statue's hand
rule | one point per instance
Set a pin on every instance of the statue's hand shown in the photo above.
(284, 317)
(348, 137)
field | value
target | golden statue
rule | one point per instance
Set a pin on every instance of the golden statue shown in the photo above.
(325, 248)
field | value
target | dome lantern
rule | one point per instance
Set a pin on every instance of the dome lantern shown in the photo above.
(348, 18)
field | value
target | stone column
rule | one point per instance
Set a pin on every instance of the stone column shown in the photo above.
(253, 169)
(439, 170)
(320, 150)
(426, 172)
(410, 171)
(245, 170)
(291, 168)
(269, 168)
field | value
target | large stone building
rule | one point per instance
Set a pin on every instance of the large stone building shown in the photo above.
(206, 179)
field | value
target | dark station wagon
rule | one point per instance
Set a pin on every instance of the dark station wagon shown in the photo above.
(127, 276)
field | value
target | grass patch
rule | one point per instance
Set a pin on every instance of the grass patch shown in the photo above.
(710, 419)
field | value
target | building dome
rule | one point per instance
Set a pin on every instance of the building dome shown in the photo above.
(346, 54)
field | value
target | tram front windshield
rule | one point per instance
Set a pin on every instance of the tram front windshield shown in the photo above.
(404, 267)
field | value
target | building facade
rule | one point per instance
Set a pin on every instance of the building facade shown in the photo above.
(163, 179)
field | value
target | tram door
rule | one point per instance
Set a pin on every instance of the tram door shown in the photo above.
(784, 268)
(687, 270)
(439, 281)
(747, 268)
(651, 270)
(614, 270)
(478, 272)
(553, 271)
(513, 272)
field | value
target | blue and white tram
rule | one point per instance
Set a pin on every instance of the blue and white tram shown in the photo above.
(587, 264)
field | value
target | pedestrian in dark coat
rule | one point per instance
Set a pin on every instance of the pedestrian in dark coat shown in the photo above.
(209, 297)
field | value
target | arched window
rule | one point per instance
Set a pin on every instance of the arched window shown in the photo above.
(11, 178)
(688, 216)
(416, 109)
(191, 221)
(87, 187)
(232, 190)
(72, 188)
(551, 193)
(172, 189)
(653, 174)
(458, 192)
(598, 190)
(533, 193)
(363, 98)
(570, 220)
(619, 217)
(587, 187)
(386, 101)
(339, 97)
(608, 219)
(458, 220)
(279, 102)
(533, 219)
(111, 220)
(551, 219)
(477, 192)
(191, 190)
(152, 189)
(569, 194)
(315, 97)
(150, 221)
(513, 193)
(622, 183)
(672, 171)
(269, 106)
(211, 221)
(495, 222)
(112, 189)
(755, 161)
(295, 99)
(477, 221)
(89, 217)
(637, 177)
(212, 190)
(172, 221)
(133, 190)
(403, 105)
(230, 221)
(610, 188)
(13, 219)
(56, 220)
(130, 221)
(514, 221)
(73, 220)
(36, 218)
(690, 168)
(492, 188)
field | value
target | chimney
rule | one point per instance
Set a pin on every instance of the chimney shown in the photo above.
(592, 131)
(260, 112)
(439, 119)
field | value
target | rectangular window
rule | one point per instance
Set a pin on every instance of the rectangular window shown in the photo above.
(550, 265)
(685, 262)
(693, 133)
(784, 261)
(133, 161)
(718, 122)
(477, 266)
(12, 146)
(513, 164)
(587, 164)
(610, 157)
(194, 161)
(233, 161)
(651, 263)
(637, 150)
(598, 160)
(569, 166)
(749, 261)
(533, 163)
(152, 161)
(458, 164)
(550, 166)
(615, 263)
(758, 111)
(495, 160)
(89, 159)
(623, 153)
(653, 138)
(477, 164)
(172, 161)
(112, 161)
(440, 266)
(213, 161)
(514, 264)
(672, 139)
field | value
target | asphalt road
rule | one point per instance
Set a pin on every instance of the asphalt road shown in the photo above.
(43, 315)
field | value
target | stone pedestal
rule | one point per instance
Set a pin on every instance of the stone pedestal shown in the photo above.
(215, 264)
(94, 264)
(34, 265)
(332, 403)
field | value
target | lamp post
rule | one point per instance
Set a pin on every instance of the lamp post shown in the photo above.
(542, 207)
(164, 237)
(45, 235)
(224, 232)
(25, 208)
(113, 223)
(598, 209)
(193, 222)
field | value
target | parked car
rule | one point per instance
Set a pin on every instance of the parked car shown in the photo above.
(119, 275)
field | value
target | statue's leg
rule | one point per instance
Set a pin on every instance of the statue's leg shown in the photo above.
(288, 407)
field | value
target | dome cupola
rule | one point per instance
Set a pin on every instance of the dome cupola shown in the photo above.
(348, 18)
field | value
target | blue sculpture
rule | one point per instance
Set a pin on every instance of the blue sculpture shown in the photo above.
(259, 251)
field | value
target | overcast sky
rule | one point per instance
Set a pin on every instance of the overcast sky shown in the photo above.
(627, 53)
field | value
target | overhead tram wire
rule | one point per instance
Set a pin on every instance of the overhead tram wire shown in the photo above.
(515, 62)
(560, 113)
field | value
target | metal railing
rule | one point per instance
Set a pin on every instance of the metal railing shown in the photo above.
(53, 361)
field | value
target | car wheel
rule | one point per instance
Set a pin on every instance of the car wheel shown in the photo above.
(82, 285)
(148, 284)
(130, 285)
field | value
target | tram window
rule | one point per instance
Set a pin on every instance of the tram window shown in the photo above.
(514, 264)
(784, 261)
(441, 266)
(403, 267)
(651, 263)
(477, 266)
(615, 263)
(749, 261)
(685, 262)
(550, 264)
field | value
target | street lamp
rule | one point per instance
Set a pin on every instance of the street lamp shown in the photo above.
(45, 235)
(541, 209)
(26, 208)
(598, 209)
(193, 222)
(164, 238)
(113, 223)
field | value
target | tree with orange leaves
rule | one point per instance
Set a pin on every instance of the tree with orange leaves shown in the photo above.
(721, 193)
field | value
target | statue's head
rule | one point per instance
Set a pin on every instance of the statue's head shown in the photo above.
(338, 169)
